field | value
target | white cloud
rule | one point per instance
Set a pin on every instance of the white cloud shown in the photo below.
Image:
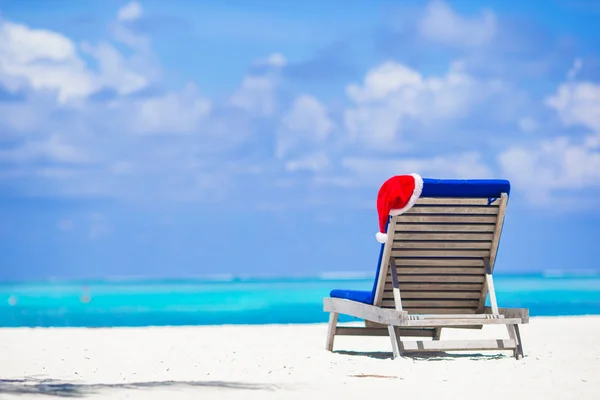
(442, 25)
(89, 148)
(578, 103)
(114, 71)
(130, 12)
(258, 92)
(383, 81)
(123, 31)
(44, 60)
(170, 113)
(307, 122)
(545, 168)
(53, 149)
(256, 95)
(308, 115)
(393, 94)
(552, 165)
(178, 145)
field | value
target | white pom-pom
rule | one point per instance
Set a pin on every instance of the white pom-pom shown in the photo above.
(381, 237)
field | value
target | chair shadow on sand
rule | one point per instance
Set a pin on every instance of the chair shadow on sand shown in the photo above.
(428, 356)
(68, 389)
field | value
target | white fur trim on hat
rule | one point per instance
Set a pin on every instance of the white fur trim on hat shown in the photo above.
(381, 237)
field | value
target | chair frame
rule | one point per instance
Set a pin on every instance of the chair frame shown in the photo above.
(397, 322)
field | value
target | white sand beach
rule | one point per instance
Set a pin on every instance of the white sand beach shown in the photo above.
(562, 361)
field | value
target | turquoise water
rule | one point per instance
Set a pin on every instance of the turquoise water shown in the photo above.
(232, 300)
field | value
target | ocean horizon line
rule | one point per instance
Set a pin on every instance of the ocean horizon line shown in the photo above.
(245, 277)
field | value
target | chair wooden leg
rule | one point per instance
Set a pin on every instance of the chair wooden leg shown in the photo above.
(437, 334)
(333, 320)
(520, 354)
(395, 339)
(514, 334)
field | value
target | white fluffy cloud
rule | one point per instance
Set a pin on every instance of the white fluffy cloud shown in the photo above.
(86, 129)
(545, 168)
(578, 103)
(306, 123)
(122, 31)
(169, 113)
(257, 95)
(393, 94)
(51, 149)
(66, 143)
(258, 92)
(44, 60)
(130, 12)
(442, 25)
(552, 166)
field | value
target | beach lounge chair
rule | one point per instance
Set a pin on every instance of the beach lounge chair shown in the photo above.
(434, 272)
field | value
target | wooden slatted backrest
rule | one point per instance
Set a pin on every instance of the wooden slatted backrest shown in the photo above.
(438, 247)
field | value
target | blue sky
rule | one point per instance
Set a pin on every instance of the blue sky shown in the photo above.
(180, 138)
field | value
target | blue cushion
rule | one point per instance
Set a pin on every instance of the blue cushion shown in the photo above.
(486, 188)
(482, 188)
(362, 296)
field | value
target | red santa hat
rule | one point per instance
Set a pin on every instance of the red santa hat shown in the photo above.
(396, 196)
